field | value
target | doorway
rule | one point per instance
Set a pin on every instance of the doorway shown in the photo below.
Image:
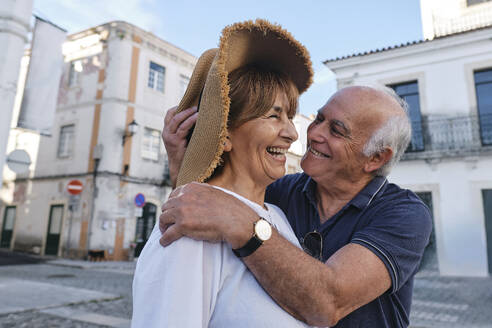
(7, 227)
(487, 207)
(145, 224)
(429, 259)
(54, 230)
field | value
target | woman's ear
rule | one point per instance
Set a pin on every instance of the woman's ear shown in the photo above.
(227, 144)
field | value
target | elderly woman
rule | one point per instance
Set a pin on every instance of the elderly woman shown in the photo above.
(247, 93)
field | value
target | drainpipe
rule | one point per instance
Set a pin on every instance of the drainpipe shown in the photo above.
(97, 155)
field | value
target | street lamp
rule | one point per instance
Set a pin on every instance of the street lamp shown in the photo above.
(131, 129)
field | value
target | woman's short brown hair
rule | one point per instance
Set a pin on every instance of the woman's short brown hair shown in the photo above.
(253, 90)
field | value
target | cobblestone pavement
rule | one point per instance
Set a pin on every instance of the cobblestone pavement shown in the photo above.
(97, 278)
(38, 320)
(449, 302)
(439, 302)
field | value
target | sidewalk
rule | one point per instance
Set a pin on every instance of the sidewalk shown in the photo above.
(17, 295)
(18, 258)
(113, 266)
(15, 258)
(39, 291)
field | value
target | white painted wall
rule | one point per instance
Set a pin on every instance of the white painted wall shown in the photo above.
(301, 123)
(15, 24)
(458, 212)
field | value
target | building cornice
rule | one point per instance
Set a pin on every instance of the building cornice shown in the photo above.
(15, 26)
(129, 179)
(107, 100)
(140, 36)
(414, 48)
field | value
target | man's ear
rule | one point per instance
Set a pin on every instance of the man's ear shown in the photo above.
(377, 160)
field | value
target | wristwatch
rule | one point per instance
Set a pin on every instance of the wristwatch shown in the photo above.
(262, 232)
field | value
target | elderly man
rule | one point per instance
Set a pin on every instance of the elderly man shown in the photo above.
(368, 233)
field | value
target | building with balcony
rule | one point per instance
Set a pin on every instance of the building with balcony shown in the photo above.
(447, 83)
(117, 83)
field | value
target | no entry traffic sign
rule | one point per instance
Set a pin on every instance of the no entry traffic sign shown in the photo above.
(75, 187)
(139, 200)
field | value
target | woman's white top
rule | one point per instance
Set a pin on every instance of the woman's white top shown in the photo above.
(200, 284)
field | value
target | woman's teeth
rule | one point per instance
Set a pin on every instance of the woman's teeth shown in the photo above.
(276, 150)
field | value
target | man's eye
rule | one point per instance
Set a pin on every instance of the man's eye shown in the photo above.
(274, 116)
(335, 131)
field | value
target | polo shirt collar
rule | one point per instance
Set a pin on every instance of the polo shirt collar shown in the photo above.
(366, 195)
(361, 200)
(309, 189)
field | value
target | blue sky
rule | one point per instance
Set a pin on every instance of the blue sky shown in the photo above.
(328, 29)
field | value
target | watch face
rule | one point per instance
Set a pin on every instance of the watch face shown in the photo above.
(263, 229)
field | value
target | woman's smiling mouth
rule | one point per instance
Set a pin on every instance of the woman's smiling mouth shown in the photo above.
(277, 153)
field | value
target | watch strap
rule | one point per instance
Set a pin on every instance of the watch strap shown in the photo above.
(248, 249)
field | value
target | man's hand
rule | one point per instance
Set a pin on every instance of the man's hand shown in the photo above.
(176, 128)
(202, 212)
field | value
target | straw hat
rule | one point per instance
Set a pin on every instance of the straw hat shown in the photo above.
(241, 44)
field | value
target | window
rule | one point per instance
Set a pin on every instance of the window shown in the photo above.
(75, 68)
(151, 144)
(483, 88)
(65, 143)
(474, 2)
(409, 91)
(183, 84)
(156, 77)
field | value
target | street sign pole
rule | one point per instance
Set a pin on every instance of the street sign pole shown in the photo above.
(70, 219)
(73, 205)
(74, 188)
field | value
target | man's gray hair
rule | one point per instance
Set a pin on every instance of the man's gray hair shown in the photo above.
(396, 134)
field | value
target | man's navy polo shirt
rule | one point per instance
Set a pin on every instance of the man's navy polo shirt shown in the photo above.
(391, 222)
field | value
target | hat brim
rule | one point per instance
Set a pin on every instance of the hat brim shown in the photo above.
(241, 44)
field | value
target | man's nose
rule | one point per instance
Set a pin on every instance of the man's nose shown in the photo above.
(314, 132)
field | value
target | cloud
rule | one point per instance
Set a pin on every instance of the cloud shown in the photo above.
(324, 85)
(76, 15)
(323, 74)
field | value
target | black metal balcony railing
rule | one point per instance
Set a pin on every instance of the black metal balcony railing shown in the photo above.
(451, 133)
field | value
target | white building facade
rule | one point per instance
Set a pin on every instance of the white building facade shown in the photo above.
(448, 85)
(298, 147)
(443, 17)
(114, 75)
